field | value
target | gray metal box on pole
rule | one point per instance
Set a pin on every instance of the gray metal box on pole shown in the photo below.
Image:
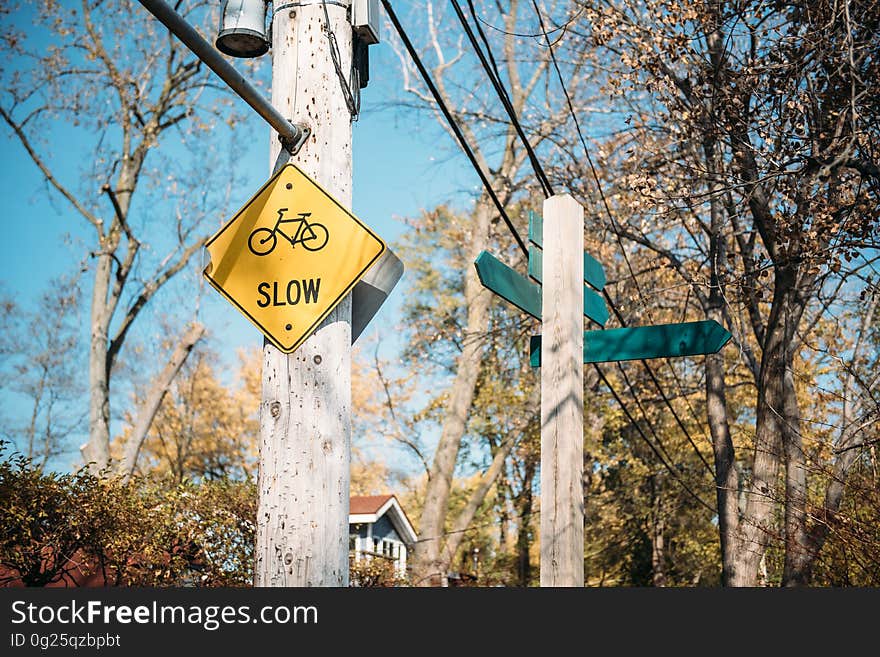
(365, 20)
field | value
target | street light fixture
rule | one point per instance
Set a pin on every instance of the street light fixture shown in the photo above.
(243, 28)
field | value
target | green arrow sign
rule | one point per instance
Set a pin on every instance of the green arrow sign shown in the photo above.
(594, 273)
(525, 295)
(509, 284)
(643, 342)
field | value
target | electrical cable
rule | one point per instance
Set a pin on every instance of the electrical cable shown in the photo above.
(542, 178)
(453, 124)
(464, 145)
(352, 99)
(644, 413)
(494, 78)
(616, 232)
(650, 444)
(562, 27)
(657, 385)
(503, 95)
(485, 41)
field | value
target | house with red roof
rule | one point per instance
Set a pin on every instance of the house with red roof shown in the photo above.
(378, 528)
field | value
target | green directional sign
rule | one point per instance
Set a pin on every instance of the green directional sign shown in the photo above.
(637, 343)
(526, 295)
(594, 304)
(594, 307)
(509, 284)
(644, 342)
(594, 273)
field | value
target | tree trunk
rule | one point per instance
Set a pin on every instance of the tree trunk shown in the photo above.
(657, 529)
(524, 533)
(429, 567)
(797, 549)
(478, 495)
(475, 501)
(726, 475)
(96, 452)
(154, 398)
(761, 496)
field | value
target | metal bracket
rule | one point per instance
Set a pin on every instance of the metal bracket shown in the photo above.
(372, 291)
(303, 133)
(308, 3)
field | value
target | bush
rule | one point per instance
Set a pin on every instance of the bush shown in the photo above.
(75, 529)
(375, 572)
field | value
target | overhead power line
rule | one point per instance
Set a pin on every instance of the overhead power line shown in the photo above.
(662, 393)
(503, 96)
(485, 41)
(642, 435)
(453, 124)
(616, 232)
(494, 77)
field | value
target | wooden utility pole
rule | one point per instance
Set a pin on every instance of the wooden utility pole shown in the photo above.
(562, 394)
(305, 414)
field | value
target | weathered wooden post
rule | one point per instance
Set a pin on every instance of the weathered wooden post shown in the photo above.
(305, 414)
(572, 283)
(562, 394)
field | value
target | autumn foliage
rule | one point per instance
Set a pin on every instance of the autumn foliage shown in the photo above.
(83, 529)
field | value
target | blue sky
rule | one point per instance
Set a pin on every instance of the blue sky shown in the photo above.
(403, 162)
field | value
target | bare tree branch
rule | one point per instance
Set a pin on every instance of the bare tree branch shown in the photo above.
(47, 173)
(154, 398)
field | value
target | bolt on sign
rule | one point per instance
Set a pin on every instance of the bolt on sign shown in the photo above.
(289, 256)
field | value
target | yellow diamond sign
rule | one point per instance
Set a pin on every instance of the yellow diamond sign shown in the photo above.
(289, 256)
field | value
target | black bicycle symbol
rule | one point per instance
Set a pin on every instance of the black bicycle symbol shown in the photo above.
(313, 236)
